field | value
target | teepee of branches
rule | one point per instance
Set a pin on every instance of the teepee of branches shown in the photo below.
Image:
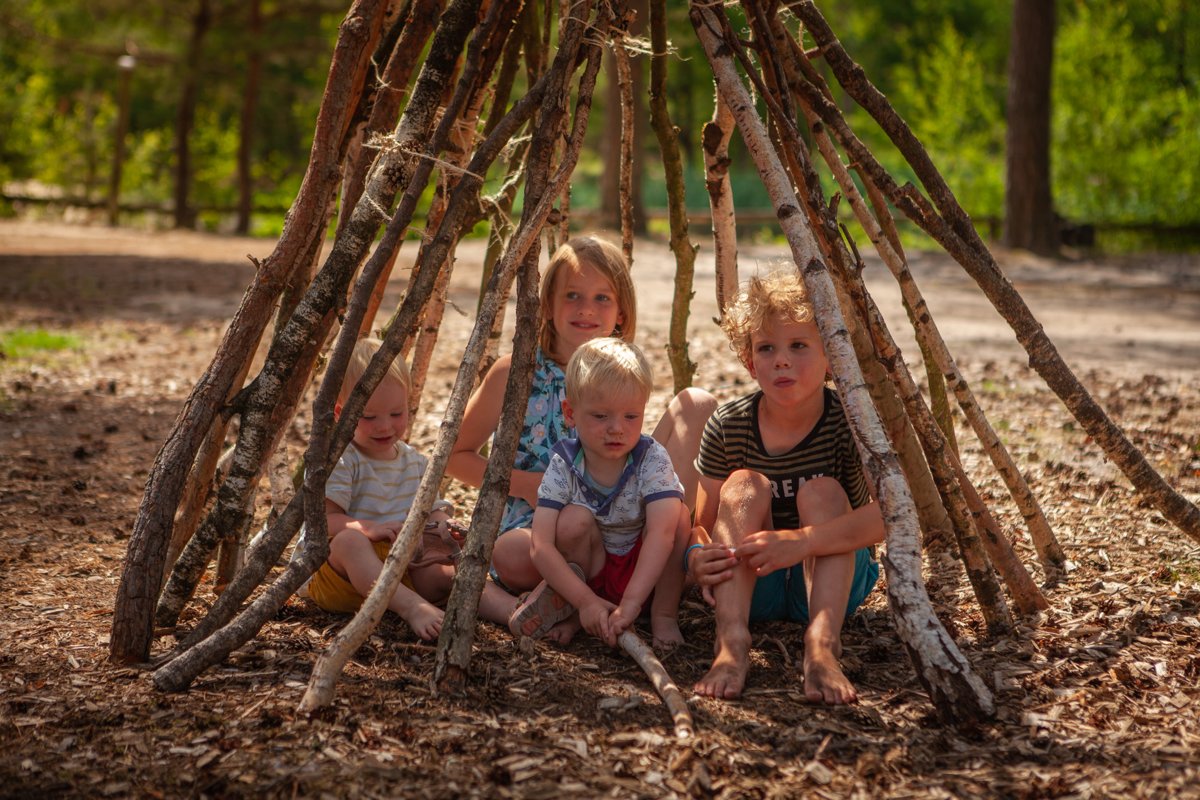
(387, 131)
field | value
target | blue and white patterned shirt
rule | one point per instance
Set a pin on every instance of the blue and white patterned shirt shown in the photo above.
(620, 511)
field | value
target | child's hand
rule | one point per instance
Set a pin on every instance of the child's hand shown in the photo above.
(594, 617)
(710, 565)
(766, 551)
(375, 531)
(620, 620)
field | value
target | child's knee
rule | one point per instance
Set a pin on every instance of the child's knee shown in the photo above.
(820, 499)
(695, 405)
(743, 485)
(576, 525)
(347, 541)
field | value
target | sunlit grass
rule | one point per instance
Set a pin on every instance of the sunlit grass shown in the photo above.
(25, 342)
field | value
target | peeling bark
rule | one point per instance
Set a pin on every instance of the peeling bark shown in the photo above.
(715, 142)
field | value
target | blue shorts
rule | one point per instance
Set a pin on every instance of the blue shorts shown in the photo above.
(783, 595)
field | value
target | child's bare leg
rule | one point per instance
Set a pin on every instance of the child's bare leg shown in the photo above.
(432, 581)
(577, 537)
(828, 579)
(664, 609)
(495, 604)
(353, 556)
(679, 432)
(745, 507)
(512, 561)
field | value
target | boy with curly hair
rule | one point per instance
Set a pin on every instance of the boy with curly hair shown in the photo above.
(783, 492)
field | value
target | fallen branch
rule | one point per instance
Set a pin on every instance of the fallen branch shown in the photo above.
(666, 688)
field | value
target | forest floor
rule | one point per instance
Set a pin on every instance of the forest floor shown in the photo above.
(1098, 697)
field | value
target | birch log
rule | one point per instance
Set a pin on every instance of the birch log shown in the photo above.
(957, 693)
(1047, 546)
(960, 239)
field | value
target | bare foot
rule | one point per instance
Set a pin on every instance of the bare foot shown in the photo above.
(425, 620)
(665, 634)
(563, 632)
(727, 676)
(824, 681)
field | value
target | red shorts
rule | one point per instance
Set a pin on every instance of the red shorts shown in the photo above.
(610, 582)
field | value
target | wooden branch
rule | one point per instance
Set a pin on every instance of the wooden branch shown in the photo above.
(389, 97)
(208, 469)
(1049, 551)
(715, 141)
(938, 398)
(672, 698)
(311, 323)
(133, 611)
(683, 369)
(957, 693)
(937, 449)
(458, 626)
(958, 236)
(625, 181)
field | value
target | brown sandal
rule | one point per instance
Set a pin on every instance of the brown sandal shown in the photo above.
(541, 609)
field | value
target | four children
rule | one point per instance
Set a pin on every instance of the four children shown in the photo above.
(598, 522)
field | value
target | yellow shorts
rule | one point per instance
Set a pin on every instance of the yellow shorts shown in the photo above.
(333, 592)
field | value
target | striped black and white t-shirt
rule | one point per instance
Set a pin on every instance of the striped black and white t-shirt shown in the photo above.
(731, 441)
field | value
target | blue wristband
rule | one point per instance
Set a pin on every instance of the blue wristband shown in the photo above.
(686, 554)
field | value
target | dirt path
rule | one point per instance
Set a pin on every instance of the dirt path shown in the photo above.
(1098, 698)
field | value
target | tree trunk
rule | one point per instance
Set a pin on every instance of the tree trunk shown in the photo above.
(1028, 207)
(185, 216)
(245, 177)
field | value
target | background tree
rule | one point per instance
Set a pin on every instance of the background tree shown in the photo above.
(1028, 208)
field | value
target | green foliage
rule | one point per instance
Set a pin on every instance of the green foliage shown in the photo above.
(26, 342)
(1127, 113)
(949, 98)
(1126, 126)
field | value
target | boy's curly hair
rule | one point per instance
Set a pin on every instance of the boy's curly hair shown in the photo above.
(610, 261)
(364, 351)
(607, 364)
(780, 294)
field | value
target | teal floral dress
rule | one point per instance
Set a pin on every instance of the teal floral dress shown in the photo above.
(544, 427)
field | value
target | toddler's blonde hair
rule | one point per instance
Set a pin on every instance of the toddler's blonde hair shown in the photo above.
(610, 261)
(364, 350)
(606, 364)
(779, 294)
